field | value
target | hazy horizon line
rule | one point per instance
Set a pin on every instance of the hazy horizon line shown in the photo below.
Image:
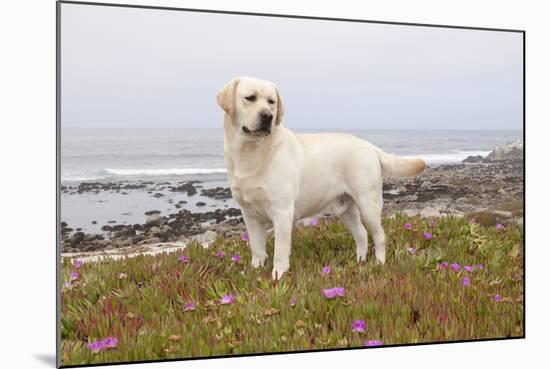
(303, 129)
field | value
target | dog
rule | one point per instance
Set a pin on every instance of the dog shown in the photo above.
(280, 177)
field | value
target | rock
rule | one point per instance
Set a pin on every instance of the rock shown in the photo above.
(473, 159)
(200, 203)
(90, 237)
(158, 194)
(409, 212)
(151, 212)
(186, 187)
(154, 231)
(430, 212)
(149, 241)
(207, 237)
(507, 152)
(153, 219)
(94, 221)
(503, 214)
(106, 228)
(78, 237)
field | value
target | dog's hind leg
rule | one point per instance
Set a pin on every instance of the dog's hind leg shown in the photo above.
(352, 220)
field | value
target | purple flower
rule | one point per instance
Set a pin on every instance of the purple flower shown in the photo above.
(427, 236)
(190, 306)
(326, 270)
(479, 266)
(313, 222)
(331, 293)
(443, 265)
(472, 220)
(183, 259)
(236, 258)
(220, 254)
(106, 343)
(74, 276)
(465, 281)
(500, 226)
(497, 297)
(411, 250)
(372, 343)
(245, 237)
(293, 301)
(68, 284)
(468, 268)
(227, 299)
(408, 226)
(432, 223)
(359, 326)
(78, 264)
(455, 267)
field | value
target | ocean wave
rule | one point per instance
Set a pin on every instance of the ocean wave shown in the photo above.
(163, 172)
(454, 157)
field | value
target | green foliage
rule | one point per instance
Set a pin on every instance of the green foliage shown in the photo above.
(407, 300)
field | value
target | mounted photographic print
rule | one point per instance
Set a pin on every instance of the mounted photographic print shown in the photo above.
(244, 184)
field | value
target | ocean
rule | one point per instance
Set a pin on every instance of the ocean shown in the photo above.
(175, 155)
(184, 154)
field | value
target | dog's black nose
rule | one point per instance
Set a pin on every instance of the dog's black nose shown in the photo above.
(266, 117)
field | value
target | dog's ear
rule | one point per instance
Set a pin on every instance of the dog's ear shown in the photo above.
(280, 109)
(226, 96)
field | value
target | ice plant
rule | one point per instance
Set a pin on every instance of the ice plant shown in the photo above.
(411, 250)
(106, 343)
(74, 276)
(359, 326)
(497, 297)
(245, 237)
(190, 306)
(455, 267)
(236, 258)
(331, 293)
(427, 236)
(465, 281)
(468, 268)
(372, 343)
(68, 284)
(313, 222)
(479, 266)
(183, 259)
(326, 270)
(227, 299)
(432, 223)
(220, 254)
(78, 264)
(443, 265)
(408, 226)
(500, 226)
(293, 301)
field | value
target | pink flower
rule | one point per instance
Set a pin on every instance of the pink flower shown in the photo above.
(313, 222)
(468, 268)
(359, 326)
(455, 267)
(326, 270)
(443, 265)
(411, 250)
(432, 223)
(190, 306)
(68, 284)
(220, 254)
(500, 226)
(183, 259)
(245, 237)
(372, 343)
(236, 258)
(78, 264)
(408, 226)
(104, 344)
(472, 220)
(497, 297)
(227, 299)
(427, 236)
(122, 275)
(293, 301)
(74, 276)
(465, 281)
(331, 293)
(479, 266)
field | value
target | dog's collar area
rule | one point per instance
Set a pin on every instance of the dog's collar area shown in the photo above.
(259, 132)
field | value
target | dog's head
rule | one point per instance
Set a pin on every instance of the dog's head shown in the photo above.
(254, 105)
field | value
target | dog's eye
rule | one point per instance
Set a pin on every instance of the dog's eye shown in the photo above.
(271, 101)
(251, 98)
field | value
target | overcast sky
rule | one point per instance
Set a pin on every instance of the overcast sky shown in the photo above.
(124, 67)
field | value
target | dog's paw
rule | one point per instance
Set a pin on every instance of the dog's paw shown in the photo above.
(361, 256)
(278, 271)
(258, 261)
(380, 255)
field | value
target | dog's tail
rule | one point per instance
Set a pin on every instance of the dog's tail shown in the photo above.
(397, 166)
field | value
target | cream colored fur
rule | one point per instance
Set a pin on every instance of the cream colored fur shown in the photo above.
(282, 177)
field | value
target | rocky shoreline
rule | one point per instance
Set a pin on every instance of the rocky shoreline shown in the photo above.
(492, 187)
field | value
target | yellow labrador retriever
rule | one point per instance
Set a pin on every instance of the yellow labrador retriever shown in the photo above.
(280, 177)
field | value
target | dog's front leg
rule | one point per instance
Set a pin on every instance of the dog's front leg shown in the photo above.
(257, 236)
(282, 224)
